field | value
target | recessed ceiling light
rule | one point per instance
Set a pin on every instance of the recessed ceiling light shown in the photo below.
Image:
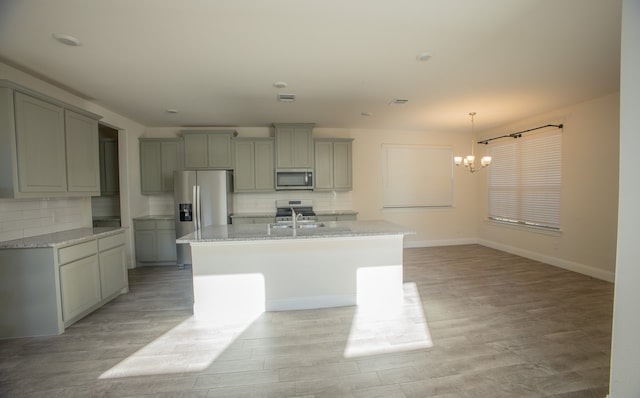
(279, 84)
(423, 56)
(67, 40)
(172, 110)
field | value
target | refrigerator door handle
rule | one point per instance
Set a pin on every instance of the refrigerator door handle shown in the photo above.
(199, 209)
(196, 207)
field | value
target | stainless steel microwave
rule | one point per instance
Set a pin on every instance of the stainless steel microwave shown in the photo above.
(293, 179)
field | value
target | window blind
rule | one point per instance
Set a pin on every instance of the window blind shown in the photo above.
(524, 180)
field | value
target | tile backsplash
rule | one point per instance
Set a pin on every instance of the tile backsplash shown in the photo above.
(161, 204)
(31, 217)
(263, 202)
(24, 218)
(266, 202)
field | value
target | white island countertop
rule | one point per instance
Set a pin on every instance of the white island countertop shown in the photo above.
(328, 229)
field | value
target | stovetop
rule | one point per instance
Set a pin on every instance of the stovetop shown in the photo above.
(305, 211)
(303, 207)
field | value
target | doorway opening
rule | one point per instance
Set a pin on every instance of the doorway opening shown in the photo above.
(105, 209)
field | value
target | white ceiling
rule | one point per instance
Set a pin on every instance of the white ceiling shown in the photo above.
(215, 61)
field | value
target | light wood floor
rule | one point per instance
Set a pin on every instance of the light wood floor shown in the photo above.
(476, 322)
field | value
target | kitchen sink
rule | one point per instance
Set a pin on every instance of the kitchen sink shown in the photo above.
(310, 225)
(301, 224)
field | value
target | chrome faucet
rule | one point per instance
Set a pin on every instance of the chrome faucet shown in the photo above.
(294, 218)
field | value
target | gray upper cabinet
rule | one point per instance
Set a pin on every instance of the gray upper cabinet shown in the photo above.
(159, 158)
(333, 160)
(109, 178)
(41, 145)
(294, 145)
(47, 148)
(254, 165)
(206, 149)
(83, 164)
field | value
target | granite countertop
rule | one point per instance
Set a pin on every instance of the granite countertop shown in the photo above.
(332, 229)
(106, 218)
(58, 238)
(334, 212)
(156, 217)
(273, 213)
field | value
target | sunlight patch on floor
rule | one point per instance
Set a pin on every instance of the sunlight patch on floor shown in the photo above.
(393, 326)
(192, 346)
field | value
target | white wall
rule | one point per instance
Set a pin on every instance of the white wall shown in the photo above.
(132, 203)
(433, 226)
(625, 352)
(589, 199)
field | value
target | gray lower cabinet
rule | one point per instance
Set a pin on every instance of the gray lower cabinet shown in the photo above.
(46, 289)
(155, 241)
(159, 158)
(206, 149)
(294, 145)
(113, 270)
(337, 217)
(254, 165)
(333, 164)
(91, 272)
(80, 286)
(47, 148)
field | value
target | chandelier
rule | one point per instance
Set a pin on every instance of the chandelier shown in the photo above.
(470, 161)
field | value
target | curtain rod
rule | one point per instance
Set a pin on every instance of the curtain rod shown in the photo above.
(518, 134)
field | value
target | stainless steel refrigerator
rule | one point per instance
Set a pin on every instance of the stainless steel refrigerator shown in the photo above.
(201, 198)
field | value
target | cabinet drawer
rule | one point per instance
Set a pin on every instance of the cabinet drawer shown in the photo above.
(165, 224)
(110, 241)
(144, 224)
(76, 252)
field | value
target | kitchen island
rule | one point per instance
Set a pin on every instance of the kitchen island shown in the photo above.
(243, 270)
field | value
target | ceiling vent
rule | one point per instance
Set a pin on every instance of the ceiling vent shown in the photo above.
(286, 97)
(398, 101)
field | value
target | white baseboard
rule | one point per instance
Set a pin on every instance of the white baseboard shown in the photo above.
(443, 242)
(558, 262)
(305, 303)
